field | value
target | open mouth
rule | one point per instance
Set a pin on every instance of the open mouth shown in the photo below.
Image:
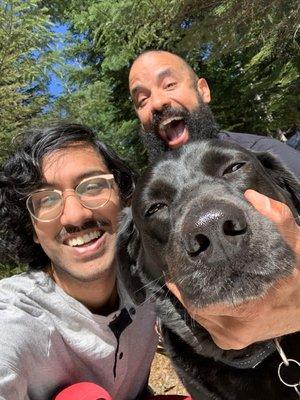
(174, 131)
(84, 240)
(87, 244)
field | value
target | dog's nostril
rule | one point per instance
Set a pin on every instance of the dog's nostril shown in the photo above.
(203, 242)
(198, 244)
(234, 228)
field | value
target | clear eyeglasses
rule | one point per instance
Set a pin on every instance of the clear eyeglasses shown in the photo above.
(47, 204)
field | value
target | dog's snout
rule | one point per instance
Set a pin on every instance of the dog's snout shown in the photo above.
(215, 231)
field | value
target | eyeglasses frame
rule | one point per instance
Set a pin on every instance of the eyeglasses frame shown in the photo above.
(108, 177)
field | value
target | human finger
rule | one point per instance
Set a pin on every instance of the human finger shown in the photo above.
(280, 214)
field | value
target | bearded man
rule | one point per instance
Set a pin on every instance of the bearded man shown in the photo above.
(171, 103)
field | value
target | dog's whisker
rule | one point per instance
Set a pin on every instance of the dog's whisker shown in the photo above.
(152, 295)
(149, 284)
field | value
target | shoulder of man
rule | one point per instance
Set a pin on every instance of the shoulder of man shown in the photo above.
(286, 154)
(22, 328)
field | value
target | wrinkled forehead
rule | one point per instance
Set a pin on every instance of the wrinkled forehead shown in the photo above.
(192, 163)
(154, 66)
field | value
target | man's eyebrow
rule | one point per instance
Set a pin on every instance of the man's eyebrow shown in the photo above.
(166, 72)
(161, 75)
(78, 179)
(89, 174)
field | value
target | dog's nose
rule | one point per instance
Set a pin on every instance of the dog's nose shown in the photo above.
(215, 231)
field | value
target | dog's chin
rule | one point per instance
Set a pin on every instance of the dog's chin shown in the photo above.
(201, 288)
(198, 298)
(231, 281)
(215, 297)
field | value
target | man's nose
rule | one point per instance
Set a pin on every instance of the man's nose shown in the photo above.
(74, 213)
(159, 100)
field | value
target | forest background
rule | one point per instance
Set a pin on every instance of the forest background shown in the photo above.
(70, 59)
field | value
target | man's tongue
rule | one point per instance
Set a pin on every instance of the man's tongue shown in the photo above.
(175, 133)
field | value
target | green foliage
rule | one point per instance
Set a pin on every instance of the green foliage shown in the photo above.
(93, 106)
(25, 59)
(9, 270)
(253, 63)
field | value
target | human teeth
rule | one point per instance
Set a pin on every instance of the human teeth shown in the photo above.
(169, 120)
(80, 240)
(71, 242)
(86, 238)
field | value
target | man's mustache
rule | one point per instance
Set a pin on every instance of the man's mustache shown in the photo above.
(200, 123)
(167, 112)
(90, 224)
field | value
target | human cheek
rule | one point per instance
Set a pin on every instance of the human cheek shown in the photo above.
(144, 116)
(115, 215)
(110, 213)
(45, 231)
(184, 96)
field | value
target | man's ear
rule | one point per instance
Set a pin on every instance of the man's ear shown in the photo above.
(204, 90)
(128, 245)
(282, 177)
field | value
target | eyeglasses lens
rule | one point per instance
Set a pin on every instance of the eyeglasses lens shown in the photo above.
(94, 192)
(45, 205)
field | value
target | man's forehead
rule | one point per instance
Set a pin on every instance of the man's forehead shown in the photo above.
(156, 64)
(76, 160)
(69, 152)
(138, 81)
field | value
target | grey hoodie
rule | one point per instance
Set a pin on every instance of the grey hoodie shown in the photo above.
(49, 340)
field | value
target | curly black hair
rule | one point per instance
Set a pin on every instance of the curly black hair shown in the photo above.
(21, 174)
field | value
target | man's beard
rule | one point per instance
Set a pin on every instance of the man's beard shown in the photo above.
(200, 123)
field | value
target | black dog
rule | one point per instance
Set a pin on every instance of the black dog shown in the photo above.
(193, 226)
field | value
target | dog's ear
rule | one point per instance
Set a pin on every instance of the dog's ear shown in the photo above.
(281, 176)
(128, 245)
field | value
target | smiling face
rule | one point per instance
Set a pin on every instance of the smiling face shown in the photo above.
(165, 91)
(81, 242)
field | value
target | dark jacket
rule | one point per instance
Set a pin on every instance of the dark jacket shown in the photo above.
(286, 154)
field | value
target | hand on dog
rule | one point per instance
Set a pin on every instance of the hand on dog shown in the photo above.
(275, 314)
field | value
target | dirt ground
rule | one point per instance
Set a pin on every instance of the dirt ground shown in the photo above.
(163, 379)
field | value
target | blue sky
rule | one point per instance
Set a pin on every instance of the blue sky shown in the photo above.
(56, 85)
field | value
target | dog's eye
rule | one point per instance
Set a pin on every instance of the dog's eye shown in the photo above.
(233, 167)
(154, 208)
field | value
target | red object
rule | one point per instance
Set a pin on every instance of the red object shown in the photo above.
(170, 397)
(84, 391)
(91, 391)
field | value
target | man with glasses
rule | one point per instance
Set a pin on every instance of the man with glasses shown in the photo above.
(67, 319)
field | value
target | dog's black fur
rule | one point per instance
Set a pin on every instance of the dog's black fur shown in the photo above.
(192, 225)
